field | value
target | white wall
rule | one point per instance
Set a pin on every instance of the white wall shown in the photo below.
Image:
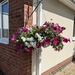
(53, 9)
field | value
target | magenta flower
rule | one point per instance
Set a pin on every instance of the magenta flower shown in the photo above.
(29, 49)
(12, 37)
(38, 45)
(25, 29)
(54, 28)
(47, 24)
(18, 47)
(55, 41)
(63, 28)
(52, 23)
(17, 32)
(37, 26)
(47, 41)
(66, 40)
(43, 27)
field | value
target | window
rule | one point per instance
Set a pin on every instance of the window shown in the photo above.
(4, 23)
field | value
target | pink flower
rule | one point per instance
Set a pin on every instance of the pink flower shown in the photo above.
(66, 40)
(54, 28)
(52, 23)
(37, 26)
(47, 24)
(12, 37)
(43, 27)
(47, 41)
(17, 32)
(24, 29)
(38, 45)
(18, 46)
(61, 29)
(29, 49)
(55, 41)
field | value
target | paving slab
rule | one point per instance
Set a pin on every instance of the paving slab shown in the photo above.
(68, 70)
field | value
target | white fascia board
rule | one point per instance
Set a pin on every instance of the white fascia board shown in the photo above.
(69, 3)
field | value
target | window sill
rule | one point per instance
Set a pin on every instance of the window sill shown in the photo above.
(4, 40)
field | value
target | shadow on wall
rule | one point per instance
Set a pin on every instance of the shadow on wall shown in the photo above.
(73, 59)
(58, 8)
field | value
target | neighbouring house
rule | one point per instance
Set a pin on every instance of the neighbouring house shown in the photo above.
(17, 13)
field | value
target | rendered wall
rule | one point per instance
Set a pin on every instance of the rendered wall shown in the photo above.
(53, 9)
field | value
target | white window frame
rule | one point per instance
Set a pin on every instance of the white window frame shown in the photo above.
(3, 39)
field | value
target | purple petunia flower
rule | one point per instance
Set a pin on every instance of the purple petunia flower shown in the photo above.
(55, 41)
(17, 32)
(12, 37)
(37, 26)
(29, 49)
(47, 41)
(47, 24)
(54, 28)
(43, 27)
(38, 45)
(63, 28)
(18, 47)
(25, 29)
(66, 40)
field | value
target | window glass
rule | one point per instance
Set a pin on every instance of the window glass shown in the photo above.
(5, 26)
(5, 8)
(0, 25)
(0, 21)
(5, 20)
(0, 8)
(4, 23)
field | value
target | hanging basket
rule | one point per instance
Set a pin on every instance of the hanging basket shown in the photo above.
(49, 34)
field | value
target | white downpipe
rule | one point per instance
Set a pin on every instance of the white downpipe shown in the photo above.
(38, 54)
(40, 13)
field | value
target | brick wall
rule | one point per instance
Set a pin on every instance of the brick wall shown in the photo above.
(11, 62)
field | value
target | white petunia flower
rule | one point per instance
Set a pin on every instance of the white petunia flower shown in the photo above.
(33, 44)
(28, 39)
(27, 44)
(38, 36)
(23, 38)
(31, 39)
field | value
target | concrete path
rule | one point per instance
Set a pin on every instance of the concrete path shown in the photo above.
(68, 70)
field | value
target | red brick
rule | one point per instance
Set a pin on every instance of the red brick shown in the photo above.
(11, 62)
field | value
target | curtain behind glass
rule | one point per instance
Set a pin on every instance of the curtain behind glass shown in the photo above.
(0, 21)
(5, 20)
